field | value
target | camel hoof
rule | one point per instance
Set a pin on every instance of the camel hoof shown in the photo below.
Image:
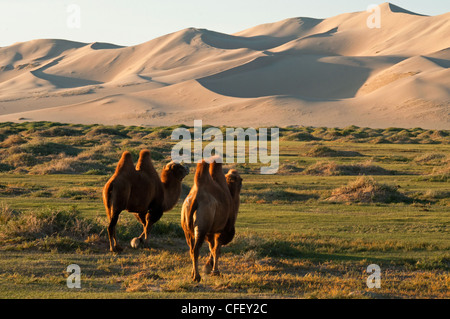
(116, 249)
(196, 278)
(215, 273)
(135, 242)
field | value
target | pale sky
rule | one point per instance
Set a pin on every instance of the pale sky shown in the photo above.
(133, 22)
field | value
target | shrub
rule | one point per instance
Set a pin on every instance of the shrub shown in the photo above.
(322, 169)
(70, 165)
(429, 158)
(441, 173)
(36, 225)
(44, 148)
(321, 151)
(324, 151)
(117, 131)
(55, 166)
(402, 137)
(300, 136)
(380, 140)
(6, 214)
(20, 160)
(59, 131)
(333, 169)
(12, 140)
(367, 190)
(5, 167)
(162, 133)
(289, 168)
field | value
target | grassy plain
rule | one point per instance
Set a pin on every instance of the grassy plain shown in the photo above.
(306, 232)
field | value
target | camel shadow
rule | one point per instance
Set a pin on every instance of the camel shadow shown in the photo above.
(313, 251)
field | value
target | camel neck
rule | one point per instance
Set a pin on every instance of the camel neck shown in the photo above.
(172, 191)
(235, 197)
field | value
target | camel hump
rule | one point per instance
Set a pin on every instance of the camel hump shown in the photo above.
(125, 163)
(144, 152)
(217, 174)
(145, 162)
(202, 173)
(215, 168)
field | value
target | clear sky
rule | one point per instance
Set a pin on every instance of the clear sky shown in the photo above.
(129, 22)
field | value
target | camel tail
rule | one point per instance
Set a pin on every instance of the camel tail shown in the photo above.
(107, 191)
(192, 208)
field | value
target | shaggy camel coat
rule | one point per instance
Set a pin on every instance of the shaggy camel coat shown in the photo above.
(209, 212)
(142, 192)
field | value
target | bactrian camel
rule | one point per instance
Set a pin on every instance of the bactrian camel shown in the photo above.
(209, 213)
(142, 192)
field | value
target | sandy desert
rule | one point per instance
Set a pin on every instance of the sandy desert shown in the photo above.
(300, 71)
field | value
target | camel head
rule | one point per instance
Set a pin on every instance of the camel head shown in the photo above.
(234, 181)
(175, 170)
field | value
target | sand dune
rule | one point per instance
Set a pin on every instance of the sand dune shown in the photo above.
(299, 71)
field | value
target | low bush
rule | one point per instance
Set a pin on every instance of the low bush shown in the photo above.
(332, 169)
(31, 225)
(42, 147)
(13, 140)
(367, 190)
(325, 151)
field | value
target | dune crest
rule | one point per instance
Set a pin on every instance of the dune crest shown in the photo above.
(299, 71)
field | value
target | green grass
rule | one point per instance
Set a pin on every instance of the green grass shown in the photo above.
(291, 241)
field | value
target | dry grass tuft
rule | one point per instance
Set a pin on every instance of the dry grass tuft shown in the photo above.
(58, 226)
(367, 190)
(325, 151)
(430, 158)
(13, 140)
(330, 168)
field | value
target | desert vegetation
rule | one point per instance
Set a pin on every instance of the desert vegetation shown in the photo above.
(343, 198)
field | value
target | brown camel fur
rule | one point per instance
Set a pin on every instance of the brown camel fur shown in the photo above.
(142, 192)
(209, 212)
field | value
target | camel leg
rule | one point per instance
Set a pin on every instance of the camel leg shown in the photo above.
(136, 241)
(113, 218)
(215, 252)
(191, 244)
(147, 219)
(148, 226)
(195, 250)
(210, 261)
